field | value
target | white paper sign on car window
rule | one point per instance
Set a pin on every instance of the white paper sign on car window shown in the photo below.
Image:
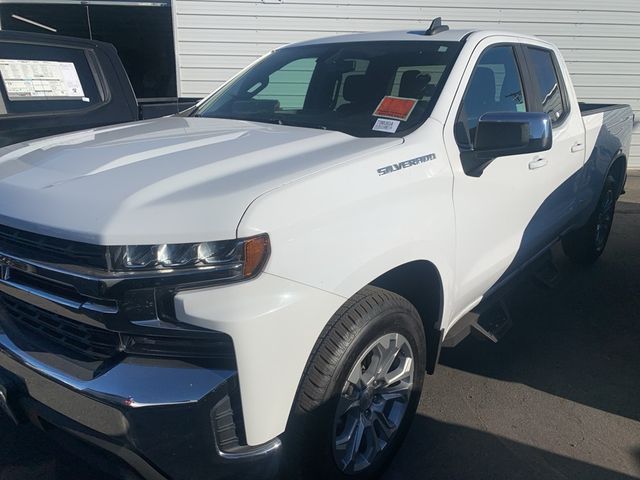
(40, 80)
(386, 125)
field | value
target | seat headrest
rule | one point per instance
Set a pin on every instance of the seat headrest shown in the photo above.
(414, 84)
(355, 88)
(484, 83)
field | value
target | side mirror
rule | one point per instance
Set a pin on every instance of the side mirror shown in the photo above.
(512, 133)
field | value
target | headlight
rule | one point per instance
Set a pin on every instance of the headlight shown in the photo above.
(231, 259)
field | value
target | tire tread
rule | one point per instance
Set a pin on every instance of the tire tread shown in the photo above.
(336, 337)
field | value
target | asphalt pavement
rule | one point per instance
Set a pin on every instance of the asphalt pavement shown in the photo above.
(557, 398)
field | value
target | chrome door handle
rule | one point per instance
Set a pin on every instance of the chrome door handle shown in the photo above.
(577, 147)
(537, 163)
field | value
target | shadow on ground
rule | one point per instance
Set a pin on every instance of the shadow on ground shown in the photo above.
(579, 341)
(441, 451)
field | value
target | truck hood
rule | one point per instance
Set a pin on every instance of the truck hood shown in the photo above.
(169, 180)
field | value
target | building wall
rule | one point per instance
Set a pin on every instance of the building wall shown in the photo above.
(600, 40)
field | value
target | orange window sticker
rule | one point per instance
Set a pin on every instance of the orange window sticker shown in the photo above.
(396, 107)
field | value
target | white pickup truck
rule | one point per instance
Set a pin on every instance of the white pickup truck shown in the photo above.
(256, 286)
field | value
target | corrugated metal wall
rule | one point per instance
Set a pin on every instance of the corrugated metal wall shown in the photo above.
(600, 40)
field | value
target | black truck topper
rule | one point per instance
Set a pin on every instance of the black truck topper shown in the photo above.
(39, 78)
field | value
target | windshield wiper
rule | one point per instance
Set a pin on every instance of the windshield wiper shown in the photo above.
(284, 122)
(300, 124)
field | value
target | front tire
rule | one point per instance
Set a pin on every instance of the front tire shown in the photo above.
(586, 244)
(360, 390)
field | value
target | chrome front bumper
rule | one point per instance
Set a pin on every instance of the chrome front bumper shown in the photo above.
(157, 417)
(165, 409)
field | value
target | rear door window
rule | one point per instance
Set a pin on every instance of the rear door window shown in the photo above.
(41, 78)
(550, 93)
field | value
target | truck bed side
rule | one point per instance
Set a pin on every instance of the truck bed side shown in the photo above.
(593, 108)
(608, 140)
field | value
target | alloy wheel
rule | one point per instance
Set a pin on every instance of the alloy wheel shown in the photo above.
(373, 403)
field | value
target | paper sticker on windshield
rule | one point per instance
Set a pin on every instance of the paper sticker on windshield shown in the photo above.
(388, 126)
(396, 107)
(39, 80)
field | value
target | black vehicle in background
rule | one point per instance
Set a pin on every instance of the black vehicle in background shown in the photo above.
(142, 32)
(52, 84)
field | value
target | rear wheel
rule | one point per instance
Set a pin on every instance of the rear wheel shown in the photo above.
(586, 244)
(360, 390)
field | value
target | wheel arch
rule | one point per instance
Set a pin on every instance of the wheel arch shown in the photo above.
(421, 284)
(618, 170)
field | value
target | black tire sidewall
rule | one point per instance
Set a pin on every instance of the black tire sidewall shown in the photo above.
(610, 187)
(315, 452)
(581, 245)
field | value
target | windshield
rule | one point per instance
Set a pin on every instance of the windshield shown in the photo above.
(364, 89)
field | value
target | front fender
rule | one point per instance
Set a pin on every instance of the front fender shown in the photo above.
(274, 324)
(339, 229)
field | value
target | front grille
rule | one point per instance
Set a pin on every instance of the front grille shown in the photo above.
(56, 250)
(88, 342)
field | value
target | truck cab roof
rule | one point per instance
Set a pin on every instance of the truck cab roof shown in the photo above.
(416, 34)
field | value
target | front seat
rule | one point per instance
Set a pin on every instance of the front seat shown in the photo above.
(479, 99)
(358, 92)
(414, 84)
(481, 95)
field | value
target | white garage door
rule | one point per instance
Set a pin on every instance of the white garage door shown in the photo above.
(600, 40)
